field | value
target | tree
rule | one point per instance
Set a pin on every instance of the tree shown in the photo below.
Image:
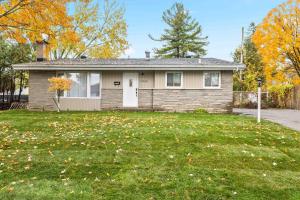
(96, 33)
(247, 80)
(27, 20)
(183, 36)
(11, 53)
(277, 39)
(59, 85)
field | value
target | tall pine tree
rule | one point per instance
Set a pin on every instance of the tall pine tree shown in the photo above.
(183, 37)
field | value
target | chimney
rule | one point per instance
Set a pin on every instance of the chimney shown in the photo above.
(147, 53)
(41, 50)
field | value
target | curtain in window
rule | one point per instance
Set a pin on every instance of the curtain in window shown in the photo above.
(94, 84)
(79, 84)
(212, 79)
(215, 79)
(174, 79)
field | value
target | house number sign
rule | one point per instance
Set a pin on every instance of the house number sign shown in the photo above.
(116, 83)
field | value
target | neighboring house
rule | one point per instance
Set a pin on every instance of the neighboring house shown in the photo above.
(147, 84)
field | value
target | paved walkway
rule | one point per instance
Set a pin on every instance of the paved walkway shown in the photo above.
(288, 118)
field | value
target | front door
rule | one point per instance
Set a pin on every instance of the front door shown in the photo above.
(130, 89)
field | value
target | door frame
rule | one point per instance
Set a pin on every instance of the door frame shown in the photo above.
(136, 75)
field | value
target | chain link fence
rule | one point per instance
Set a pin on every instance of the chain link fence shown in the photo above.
(249, 100)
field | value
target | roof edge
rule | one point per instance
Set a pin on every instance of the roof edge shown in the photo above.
(127, 67)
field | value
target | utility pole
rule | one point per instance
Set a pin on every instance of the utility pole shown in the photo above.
(242, 51)
(242, 46)
(242, 62)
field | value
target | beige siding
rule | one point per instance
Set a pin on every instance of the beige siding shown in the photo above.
(79, 104)
(109, 77)
(146, 80)
(159, 80)
(193, 80)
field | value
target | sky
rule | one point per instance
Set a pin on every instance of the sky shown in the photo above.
(221, 21)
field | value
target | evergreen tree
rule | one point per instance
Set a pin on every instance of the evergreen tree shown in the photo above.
(247, 81)
(183, 36)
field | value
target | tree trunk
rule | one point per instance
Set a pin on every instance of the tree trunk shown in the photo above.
(21, 86)
(3, 96)
(12, 90)
(178, 52)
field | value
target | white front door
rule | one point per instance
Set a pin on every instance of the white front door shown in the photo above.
(130, 89)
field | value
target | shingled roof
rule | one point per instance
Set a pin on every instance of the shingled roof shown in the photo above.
(130, 64)
(130, 61)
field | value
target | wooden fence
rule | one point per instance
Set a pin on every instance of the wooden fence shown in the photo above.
(294, 101)
(5, 100)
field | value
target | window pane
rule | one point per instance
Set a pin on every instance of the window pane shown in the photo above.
(169, 79)
(207, 80)
(215, 79)
(79, 84)
(177, 79)
(60, 75)
(212, 79)
(95, 84)
(174, 79)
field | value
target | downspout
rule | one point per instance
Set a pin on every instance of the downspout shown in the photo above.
(153, 86)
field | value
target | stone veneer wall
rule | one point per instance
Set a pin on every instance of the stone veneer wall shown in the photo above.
(39, 96)
(111, 98)
(145, 98)
(214, 101)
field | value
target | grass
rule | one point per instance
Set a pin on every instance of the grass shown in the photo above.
(121, 155)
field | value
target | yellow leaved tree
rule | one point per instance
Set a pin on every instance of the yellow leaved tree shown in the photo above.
(277, 40)
(59, 85)
(26, 20)
(88, 30)
(98, 31)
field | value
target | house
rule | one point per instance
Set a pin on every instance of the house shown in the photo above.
(147, 84)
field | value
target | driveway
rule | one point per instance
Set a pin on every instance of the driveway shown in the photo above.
(288, 118)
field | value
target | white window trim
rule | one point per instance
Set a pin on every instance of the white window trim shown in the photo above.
(212, 87)
(88, 89)
(173, 87)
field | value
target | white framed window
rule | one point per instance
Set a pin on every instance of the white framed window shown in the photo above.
(84, 84)
(212, 79)
(174, 79)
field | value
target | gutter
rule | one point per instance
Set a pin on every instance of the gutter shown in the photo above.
(50, 67)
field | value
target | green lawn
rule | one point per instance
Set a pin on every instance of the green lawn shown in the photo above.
(121, 155)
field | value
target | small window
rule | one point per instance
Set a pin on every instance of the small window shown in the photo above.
(212, 79)
(174, 79)
(60, 74)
